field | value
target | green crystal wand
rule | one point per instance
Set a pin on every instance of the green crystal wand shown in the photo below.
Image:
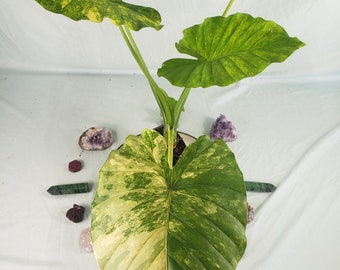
(69, 189)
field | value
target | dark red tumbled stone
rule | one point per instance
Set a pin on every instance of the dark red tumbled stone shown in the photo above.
(74, 166)
(76, 213)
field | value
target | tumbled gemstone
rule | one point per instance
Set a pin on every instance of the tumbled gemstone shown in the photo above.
(74, 166)
(76, 213)
(96, 138)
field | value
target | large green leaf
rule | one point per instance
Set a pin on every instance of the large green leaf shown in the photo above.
(133, 16)
(146, 216)
(228, 49)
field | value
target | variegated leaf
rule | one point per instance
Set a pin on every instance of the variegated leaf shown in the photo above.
(228, 49)
(133, 16)
(146, 216)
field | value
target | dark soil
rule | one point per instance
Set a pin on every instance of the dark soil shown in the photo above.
(178, 147)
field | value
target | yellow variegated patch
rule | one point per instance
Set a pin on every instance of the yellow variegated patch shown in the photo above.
(94, 15)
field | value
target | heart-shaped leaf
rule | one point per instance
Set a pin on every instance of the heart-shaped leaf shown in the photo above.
(228, 49)
(133, 16)
(147, 216)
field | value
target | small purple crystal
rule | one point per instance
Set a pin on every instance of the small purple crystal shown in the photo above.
(224, 129)
(250, 216)
(96, 138)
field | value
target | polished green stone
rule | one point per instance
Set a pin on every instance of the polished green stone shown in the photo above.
(259, 186)
(69, 189)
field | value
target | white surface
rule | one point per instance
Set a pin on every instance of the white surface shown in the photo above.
(288, 134)
(288, 128)
(32, 38)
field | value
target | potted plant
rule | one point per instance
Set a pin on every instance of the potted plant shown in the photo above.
(147, 212)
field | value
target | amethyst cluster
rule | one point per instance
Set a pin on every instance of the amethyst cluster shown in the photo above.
(96, 138)
(224, 129)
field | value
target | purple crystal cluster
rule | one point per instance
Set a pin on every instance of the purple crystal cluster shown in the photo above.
(224, 129)
(96, 138)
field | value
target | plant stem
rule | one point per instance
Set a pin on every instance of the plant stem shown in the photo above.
(171, 131)
(170, 135)
(157, 91)
(170, 124)
(225, 13)
(180, 105)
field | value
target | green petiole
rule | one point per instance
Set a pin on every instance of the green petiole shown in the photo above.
(170, 112)
(225, 13)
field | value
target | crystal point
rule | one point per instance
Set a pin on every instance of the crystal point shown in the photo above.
(69, 189)
(259, 186)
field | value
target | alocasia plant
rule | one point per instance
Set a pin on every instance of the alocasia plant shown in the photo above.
(147, 212)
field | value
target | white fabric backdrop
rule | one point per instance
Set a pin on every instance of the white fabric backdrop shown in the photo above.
(60, 77)
(34, 39)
